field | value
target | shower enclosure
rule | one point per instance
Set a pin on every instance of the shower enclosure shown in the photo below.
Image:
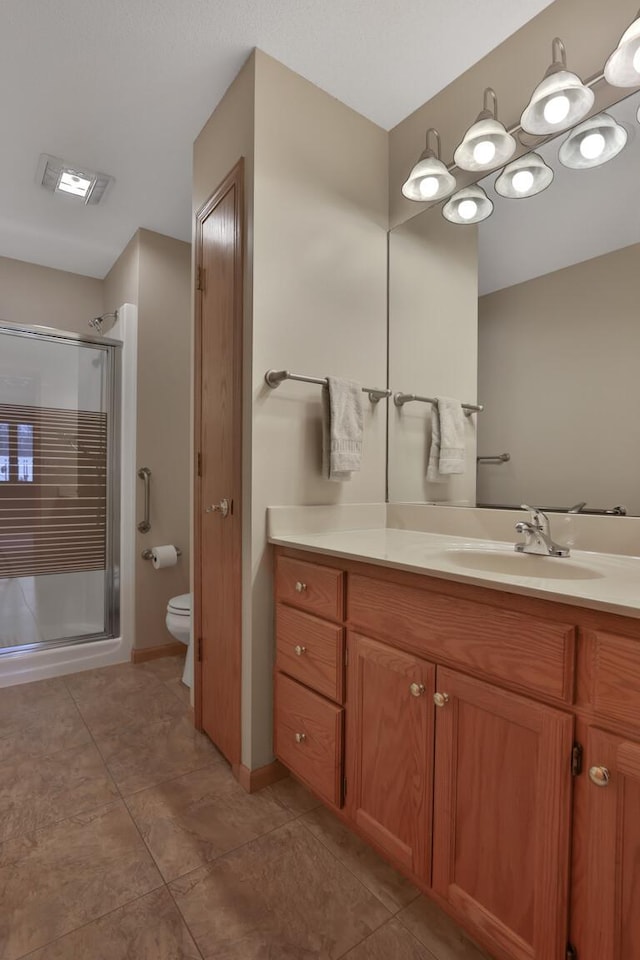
(59, 488)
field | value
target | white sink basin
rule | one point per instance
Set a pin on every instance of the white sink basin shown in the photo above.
(521, 564)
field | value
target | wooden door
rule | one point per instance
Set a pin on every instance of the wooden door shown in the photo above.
(609, 918)
(389, 750)
(502, 816)
(218, 424)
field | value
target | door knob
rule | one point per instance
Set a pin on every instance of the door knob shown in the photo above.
(223, 508)
(301, 737)
(440, 699)
(299, 650)
(417, 689)
(599, 775)
(300, 586)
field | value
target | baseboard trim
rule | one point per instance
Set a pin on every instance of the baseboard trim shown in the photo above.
(175, 649)
(254, 780)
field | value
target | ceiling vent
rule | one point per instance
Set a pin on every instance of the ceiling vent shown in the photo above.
(59, 176)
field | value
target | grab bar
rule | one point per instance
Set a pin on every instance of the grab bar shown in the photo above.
(145, 474)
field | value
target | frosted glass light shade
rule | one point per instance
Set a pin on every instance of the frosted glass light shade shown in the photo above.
(485, 145)
(592, 143)
(557, 103)
(428, 180)
(469, 205)
(524, 177)
(622, 69)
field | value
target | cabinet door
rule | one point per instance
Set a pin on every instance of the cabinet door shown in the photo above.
(390, 750)
(502, 816)
(611, 836)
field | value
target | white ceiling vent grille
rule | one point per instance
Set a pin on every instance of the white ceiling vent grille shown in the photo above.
(59, 176)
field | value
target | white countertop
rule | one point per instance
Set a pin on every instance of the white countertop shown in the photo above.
(599, 581)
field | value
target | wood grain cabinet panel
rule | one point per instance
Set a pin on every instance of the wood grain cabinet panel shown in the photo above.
(390, 750)
(502, 816)
(308, 737)
(311, 587)
(610, 835)
(615, 693)
(522, 651)
(310, 650)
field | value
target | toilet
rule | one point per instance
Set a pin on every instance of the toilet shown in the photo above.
(178, 621)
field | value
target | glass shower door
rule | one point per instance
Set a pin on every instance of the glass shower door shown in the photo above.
(58, 489)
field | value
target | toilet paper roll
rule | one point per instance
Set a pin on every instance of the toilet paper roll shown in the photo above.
(164, 556)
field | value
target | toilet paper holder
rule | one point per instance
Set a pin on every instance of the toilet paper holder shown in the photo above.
(148, 553)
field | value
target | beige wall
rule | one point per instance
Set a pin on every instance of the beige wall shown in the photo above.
(319, 308)
(51, 298)
(315, 302)
(590, 29)
(433, 305)
(154, 272)
(558, 371)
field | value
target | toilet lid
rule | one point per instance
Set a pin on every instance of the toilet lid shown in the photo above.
(181, 604)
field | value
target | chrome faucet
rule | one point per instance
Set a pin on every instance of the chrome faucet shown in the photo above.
(537, 535)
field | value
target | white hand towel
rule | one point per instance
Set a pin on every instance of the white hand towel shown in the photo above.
(447, 453)
(342, 428)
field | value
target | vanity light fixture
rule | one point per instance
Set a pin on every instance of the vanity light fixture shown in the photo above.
(524, 177)
(622, 69)
(469, 205)
(592, 143)
(429, 179)
(560, 100)
(486, 144)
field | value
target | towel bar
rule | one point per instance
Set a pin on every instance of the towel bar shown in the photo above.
(401, 398)
(497, 458)
(273, 379)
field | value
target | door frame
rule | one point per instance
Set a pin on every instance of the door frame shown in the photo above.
(233, 181)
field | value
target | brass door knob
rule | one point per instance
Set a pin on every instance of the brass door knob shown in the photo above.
(300, 586)
(599, 775)
(301, 737)
(299, 650)
(440, 699)
(417, 689)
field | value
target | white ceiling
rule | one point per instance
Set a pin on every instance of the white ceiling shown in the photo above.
(124, 86)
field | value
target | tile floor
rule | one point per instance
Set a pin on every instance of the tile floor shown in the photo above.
(123, 836)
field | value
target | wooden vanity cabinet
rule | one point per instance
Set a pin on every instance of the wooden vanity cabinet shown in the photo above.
(390, 737)
(453, 728)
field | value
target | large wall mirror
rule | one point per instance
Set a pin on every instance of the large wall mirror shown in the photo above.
(535, 313)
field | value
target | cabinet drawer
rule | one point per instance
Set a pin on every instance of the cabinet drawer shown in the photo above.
(308, 737)
(524, 652)
(311, 587)
(310, 650)
(615, 689)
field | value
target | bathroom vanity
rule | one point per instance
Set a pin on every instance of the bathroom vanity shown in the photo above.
(485, 739)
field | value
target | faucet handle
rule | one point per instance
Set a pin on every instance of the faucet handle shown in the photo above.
(538, 517)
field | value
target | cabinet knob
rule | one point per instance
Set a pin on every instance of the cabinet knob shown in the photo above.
(299, 650)
(301, 737)
(440, 699)
(300, 586)
(599, 775)
(417, 689)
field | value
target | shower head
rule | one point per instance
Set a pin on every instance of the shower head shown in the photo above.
(96, 322)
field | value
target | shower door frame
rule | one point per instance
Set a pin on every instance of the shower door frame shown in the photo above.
(113, 384)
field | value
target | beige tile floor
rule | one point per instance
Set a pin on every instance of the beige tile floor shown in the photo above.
(123, 836)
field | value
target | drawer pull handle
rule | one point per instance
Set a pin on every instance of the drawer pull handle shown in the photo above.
(300, 586)
(440, 699)
(299, 650)
(301, 737)
(599, 775)
(417, 689)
